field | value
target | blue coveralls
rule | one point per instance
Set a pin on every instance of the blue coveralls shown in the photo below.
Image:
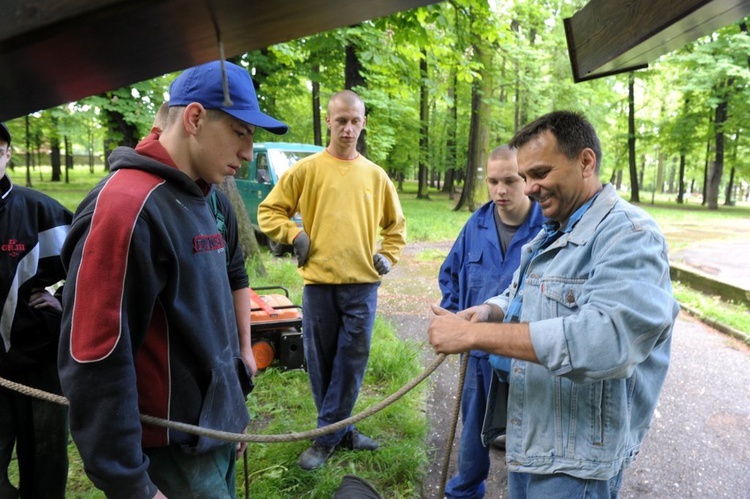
(474, 271)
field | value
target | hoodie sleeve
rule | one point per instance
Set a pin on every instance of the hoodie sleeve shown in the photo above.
(107, 309)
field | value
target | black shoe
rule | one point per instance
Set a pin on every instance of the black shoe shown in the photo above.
(315, 456)
(354, 440)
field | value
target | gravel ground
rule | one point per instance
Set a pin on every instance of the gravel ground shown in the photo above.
(699, 444)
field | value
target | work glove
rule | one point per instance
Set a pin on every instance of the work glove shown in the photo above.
(301, 244)
(382, 264)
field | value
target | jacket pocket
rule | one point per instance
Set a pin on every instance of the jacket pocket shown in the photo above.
(598, 413)
(475, 271)
(224, 406)
(562, 296)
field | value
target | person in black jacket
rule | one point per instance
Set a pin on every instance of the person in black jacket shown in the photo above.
(33, 227)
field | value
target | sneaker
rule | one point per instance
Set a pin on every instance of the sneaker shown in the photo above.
(354, 440)
(499, 442)
(315, 456)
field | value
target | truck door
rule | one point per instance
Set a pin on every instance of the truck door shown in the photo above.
(254, 183)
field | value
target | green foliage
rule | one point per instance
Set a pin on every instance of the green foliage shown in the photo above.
(530, 75)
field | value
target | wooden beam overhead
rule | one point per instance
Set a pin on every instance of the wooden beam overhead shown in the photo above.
(58, 51)
(613, 36)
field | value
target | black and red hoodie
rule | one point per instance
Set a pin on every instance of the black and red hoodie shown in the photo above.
(148, 321)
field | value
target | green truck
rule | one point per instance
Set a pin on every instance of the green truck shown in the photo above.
(256, 178)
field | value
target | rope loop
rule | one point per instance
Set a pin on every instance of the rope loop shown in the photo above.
(245, 437)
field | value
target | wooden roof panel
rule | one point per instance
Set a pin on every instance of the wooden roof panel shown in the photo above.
(57, 51)
(613, 36)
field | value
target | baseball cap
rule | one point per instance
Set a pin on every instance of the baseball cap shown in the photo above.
(4, 133)
(204, 84)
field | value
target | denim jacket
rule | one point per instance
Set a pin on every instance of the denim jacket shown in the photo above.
(600, 309)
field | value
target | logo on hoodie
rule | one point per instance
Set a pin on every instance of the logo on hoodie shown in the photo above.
(13, 247)
(207, 243)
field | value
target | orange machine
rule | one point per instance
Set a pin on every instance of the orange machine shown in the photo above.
(276, 329)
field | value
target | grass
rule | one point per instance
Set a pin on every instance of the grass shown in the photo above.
(736, 316)
(281, 402)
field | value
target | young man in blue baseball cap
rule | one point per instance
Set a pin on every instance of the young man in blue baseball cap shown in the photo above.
(148, 313)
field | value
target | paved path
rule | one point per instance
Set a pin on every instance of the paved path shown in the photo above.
(699, 444)
(726, 261)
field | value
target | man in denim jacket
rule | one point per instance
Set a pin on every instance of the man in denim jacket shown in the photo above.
(587, 320)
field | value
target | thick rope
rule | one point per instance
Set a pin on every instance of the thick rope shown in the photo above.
(243, 437)
(454, 423)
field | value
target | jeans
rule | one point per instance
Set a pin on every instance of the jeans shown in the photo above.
(337, 325)
(562, 486)
(204, 476)
(39, 431)
(473, 457)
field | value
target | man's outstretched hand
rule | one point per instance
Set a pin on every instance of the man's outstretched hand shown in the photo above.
(447, 331)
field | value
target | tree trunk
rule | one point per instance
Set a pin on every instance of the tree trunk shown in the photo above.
(704, 189)
(659, 186)
(634, 189)
(54, 157)
(354, 78)
(479, 129)
(730, 188)
(681, 193)
(248, 242)
(317, 134)
(119, 126)
(68, 158)
(424, 129)
(451, 149)
(730, 185)
(717, 166)
(28, 155)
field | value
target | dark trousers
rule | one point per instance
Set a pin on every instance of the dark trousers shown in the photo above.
(204, 476)
(337, 323)
(39, 431)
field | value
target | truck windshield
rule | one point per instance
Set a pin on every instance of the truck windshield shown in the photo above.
(281, 161)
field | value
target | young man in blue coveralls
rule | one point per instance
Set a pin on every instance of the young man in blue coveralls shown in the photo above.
(479, 266)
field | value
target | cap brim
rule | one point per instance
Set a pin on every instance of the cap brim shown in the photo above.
(256, 118)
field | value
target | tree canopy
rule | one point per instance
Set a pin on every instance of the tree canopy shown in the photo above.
(446, 83)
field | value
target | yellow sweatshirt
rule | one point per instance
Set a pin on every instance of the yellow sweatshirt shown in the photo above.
(345, 206)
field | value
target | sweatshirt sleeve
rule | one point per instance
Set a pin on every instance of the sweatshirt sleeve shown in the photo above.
(393, 225)
(107, 309)
(280, 205)
(236, 271)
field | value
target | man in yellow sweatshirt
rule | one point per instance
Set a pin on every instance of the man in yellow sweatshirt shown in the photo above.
(347, 203)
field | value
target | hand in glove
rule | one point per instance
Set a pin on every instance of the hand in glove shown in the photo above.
(301, 245)
(382, 264)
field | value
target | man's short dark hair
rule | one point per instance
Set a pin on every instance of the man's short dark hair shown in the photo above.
(572, 130)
